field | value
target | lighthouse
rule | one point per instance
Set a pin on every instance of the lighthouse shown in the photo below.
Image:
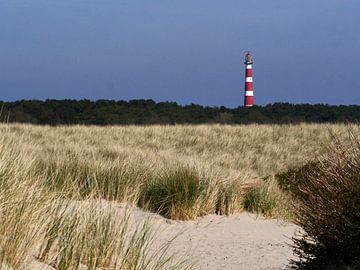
(249, 84)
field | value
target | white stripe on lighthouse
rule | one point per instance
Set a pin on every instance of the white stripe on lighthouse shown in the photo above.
(248, 66)
(249, 93)
(249, 79)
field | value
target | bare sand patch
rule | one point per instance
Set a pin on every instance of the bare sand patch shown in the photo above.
(242, 241)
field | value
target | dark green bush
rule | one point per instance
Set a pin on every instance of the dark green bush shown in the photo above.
(327, 203)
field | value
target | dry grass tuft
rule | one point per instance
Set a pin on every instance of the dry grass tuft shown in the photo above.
(180, 193)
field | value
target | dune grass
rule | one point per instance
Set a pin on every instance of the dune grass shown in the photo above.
(180, 193)
(60, 186)
(182, 172)
(65, 229)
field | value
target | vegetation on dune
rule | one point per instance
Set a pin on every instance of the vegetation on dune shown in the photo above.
(261, 199)
(180, 193)
(327, 207)
(97, 235)
(60, 187)
(135, 164)
(42, 223)
(80, 179)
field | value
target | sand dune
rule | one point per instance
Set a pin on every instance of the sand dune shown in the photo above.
(242, 241)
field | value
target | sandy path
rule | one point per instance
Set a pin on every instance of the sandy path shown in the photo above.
(242, 241)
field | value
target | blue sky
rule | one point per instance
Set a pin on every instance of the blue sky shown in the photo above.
(188, 51)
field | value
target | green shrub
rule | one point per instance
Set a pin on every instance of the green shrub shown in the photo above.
(327, 201)
(178, 193)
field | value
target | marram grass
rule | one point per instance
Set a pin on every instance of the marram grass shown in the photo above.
(61, 231)
(58, 185)
(179, 193)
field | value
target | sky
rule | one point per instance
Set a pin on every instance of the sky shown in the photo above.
(188, 51)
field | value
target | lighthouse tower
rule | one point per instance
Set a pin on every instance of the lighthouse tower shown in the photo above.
(249, 86)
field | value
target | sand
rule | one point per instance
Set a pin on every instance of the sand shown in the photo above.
(242, 241)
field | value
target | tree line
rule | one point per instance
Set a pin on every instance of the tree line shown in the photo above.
(148, 112)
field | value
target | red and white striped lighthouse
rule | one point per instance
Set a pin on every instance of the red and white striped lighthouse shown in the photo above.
(249, 85)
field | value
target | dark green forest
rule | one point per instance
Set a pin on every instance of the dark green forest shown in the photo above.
(148, 112)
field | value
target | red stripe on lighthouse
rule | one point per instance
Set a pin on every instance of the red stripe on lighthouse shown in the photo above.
(249, 72)
(249, 84)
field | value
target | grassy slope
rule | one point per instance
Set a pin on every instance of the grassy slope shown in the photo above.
(181, 171)
(252, 151)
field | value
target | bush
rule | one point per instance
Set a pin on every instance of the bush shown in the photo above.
(176, 194)
(327, 201)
